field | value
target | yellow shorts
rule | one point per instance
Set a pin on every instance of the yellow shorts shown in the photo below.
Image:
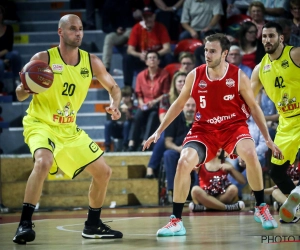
(287, 139)
(72, 148)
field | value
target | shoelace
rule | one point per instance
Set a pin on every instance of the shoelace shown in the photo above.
(172, 223)
(27, 224)
(234, 206)
(265, 213)
(198, 207)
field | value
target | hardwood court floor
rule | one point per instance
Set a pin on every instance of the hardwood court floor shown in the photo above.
(206, 230)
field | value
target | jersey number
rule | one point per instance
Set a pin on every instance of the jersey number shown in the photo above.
(69, 89)
(279, 82)
(202, 102)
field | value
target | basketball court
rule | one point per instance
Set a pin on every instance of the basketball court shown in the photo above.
(205, 230)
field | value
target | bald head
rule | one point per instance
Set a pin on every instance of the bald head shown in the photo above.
(67, 19)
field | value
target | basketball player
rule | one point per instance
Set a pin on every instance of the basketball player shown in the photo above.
(53, 137)
(279, 74)
(224, 100)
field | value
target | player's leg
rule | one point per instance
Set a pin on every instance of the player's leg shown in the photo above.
(246, 150)
(94, 227)
(192, 154)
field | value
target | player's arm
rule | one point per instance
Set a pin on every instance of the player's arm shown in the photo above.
(174, 109)
(256, 84)
(109, 84)
(295, 55)
(21, 93)
(256, 112)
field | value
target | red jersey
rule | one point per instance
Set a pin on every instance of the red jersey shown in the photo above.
(218, 102)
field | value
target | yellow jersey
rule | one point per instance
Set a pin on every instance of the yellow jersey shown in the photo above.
(280, 79)
(58, 106)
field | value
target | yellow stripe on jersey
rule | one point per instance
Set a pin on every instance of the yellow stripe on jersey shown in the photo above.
(281, 80)
(60, 103)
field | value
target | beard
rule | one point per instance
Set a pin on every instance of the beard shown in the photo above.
(215, 63)
(273, 48)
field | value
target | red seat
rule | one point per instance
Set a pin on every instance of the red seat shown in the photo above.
(172, 68)
(237, 19)
(187, 45)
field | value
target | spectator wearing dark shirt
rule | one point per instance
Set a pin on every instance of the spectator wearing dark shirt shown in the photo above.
(151, 85)
(147, 35)
(174, 136)
(9, 58)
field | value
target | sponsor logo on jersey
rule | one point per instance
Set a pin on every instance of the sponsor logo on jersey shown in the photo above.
(228, 97)
(202, 91)
(230, 83)
(288, 104)
(202, 84)
(245, 110)
(84, 72)
(267, 68)
(220, 119)
(285, 64)
(57, 68)
(197, 116)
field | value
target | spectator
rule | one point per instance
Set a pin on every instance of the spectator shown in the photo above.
(91, 6)
(257, 13)
(295, 27)
(120, 129)
(261, 149)
(174, 136)
(214, 190)
(234, 56)
(187, 61)
(147, 35)
(151, 85)
(9, 58)
(159, 147)
(169, 14)
(252, 49)
(274, 9)
(117, 22)
(200, 18)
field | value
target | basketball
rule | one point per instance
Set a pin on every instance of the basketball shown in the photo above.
(36, 76)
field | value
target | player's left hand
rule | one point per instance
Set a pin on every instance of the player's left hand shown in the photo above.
(115, 112)
(276, 152)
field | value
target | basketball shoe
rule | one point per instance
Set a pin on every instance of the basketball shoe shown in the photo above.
(173, 228)
(24, 233)
(289, 207)
(263, 216)
(100, 231)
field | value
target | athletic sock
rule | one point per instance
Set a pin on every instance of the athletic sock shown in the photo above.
(259, 197)
(93, 216)
(27, 212)
(177, 209)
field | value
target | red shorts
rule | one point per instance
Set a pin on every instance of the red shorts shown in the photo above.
(226, 139)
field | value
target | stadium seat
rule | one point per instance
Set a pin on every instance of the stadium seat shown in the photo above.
(187, 45)
(172, 68)
(233, 24)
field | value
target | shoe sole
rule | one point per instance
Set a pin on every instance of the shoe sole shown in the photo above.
(22, 239)
(95, 236)
(288, 208)
(257, 219)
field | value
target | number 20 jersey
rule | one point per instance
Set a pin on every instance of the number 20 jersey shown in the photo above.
(59, 104)
(281, 81)
(218, 102)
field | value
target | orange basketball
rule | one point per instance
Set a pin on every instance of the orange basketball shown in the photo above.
(37, 76)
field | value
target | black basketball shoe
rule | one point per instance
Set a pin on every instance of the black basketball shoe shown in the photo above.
(101, 231)
(24, 233)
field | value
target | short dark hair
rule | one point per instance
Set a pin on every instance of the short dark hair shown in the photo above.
(222, 38)
(152, 51)
(275, 25)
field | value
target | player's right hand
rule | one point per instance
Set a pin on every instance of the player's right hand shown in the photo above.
(153, 138)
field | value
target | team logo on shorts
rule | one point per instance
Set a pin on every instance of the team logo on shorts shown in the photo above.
(94, 147)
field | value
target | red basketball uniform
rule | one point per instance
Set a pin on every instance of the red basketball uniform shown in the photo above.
(221, 112)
